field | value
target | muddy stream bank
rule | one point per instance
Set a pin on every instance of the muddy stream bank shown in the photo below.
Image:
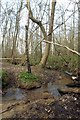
(43, 102)
(12, 96)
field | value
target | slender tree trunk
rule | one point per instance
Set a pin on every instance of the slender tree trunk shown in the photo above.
(40, 46)
(79, 39)
(3, 51)
(13, 50)
(36, 42)
(27, 51)
(16, 32)
(26, 40)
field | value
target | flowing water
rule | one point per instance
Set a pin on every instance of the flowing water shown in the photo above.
(14, 94)
(20, 94)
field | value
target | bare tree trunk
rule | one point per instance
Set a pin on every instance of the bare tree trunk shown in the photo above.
(47, 49)
(27, 51)
(16, 32)
(36, 42)
(13, 50)
(40, 46)
(26, 39)
(4, 34)
(49, 38)
(32, 45)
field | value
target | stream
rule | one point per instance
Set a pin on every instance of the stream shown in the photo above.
(15, 94)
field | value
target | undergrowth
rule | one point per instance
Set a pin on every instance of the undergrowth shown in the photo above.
(27, 77)
(66, 62)
(4, 78)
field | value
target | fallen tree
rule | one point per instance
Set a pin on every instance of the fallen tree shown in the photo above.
(73, 51)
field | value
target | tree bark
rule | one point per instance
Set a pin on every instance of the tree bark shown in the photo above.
(26, 39)
(79, 39)
(27, 51)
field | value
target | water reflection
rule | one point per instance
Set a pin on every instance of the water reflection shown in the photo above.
(53, 89)
(14, 94)
(20, 94)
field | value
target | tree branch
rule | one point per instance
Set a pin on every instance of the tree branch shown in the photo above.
(37, 22)
(73, 51)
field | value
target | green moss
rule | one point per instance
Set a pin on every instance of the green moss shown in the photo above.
(3, 73)
(28, 77)
(4, 78)
(0, 72)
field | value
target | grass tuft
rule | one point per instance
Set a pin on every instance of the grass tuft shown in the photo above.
(28, 77)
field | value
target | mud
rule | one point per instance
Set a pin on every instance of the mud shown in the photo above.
(44, 102)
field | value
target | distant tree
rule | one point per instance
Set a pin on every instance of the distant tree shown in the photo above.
(79, 38)
(16, 32)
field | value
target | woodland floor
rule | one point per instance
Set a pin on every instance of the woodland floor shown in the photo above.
(40, 103)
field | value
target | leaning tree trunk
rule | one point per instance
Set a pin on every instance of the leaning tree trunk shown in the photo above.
(47, 49)
(49, 37)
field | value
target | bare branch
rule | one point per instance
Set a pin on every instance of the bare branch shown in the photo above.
(73, 51)
(37, 22)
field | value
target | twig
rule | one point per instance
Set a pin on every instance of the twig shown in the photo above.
(9, 108)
